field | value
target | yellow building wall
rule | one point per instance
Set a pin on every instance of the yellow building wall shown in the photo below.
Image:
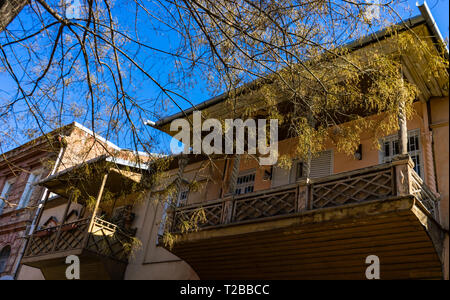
(151, 261)
(439, 108)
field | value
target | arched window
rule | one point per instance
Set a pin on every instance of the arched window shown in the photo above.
(4, 255)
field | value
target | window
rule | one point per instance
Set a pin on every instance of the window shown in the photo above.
(4, 256)
(162, 225)
(321, 166)
(298, 170)
(183, 196)
(28, 191)
(5, 194)
(245, 184)
(391, 148)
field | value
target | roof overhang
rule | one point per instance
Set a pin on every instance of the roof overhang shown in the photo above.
(424, 24)
(84, 180)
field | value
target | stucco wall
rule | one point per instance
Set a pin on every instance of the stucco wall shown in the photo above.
(152, 261)
(439, 126)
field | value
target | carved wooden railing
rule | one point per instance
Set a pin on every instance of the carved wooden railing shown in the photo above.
(95, 235)
(109, 240)
(353, 187)
(423, 193)
(384, 181)
(263, 204)
(69, 236)
(191, 216)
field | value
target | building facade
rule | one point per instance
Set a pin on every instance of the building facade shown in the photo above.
(260, 222)
(22, 199)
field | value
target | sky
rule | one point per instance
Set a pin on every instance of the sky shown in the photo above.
(439, 10)
(198, 92)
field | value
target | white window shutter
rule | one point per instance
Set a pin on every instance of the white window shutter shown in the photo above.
(322, 165)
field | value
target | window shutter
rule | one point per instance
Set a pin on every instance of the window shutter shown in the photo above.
(26, 195)
(322, 165)
(280, 176)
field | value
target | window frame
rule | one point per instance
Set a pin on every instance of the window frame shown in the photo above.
(6, 192)
(393, 139)
(25, 198)
(243, 185)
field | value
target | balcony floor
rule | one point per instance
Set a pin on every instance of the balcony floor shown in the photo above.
(330, 243)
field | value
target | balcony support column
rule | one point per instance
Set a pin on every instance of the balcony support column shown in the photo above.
(402, 123)
(227, 211)
(303, 199)
(97, 202)
(234, 174)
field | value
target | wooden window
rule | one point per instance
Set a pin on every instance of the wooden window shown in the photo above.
(391, 148)
(7, 188)
(245, 183)
(28, 191)
(183, 196)
(322, 164)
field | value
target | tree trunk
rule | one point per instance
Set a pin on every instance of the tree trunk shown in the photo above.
(9, 9)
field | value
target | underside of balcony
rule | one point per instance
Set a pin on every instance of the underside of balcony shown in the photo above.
(92, 266)
(330, 243)
(100, 248)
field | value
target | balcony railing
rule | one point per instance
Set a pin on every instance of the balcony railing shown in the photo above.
(98, 236)
(379, 182)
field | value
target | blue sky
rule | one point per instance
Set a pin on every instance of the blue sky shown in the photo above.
(198, 92)
(439, 10)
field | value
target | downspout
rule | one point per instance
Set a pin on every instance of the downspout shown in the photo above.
(39, 210)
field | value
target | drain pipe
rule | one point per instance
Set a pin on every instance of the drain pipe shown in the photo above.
(41, 205)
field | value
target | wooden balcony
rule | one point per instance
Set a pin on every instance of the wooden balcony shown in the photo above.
(100, 245)
(323, 229)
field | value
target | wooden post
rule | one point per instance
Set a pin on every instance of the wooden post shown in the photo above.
(234, 174)
(403, 129)
(97, 203)
(303, 201)
(227, 210)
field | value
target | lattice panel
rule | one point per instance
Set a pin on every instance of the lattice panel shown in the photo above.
(72, 236)
(265, 206)
(213, 214)
(113, 244)
(354, 189)
(41, 244)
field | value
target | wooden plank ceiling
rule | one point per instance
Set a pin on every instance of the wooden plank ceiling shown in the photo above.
(330, 249)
